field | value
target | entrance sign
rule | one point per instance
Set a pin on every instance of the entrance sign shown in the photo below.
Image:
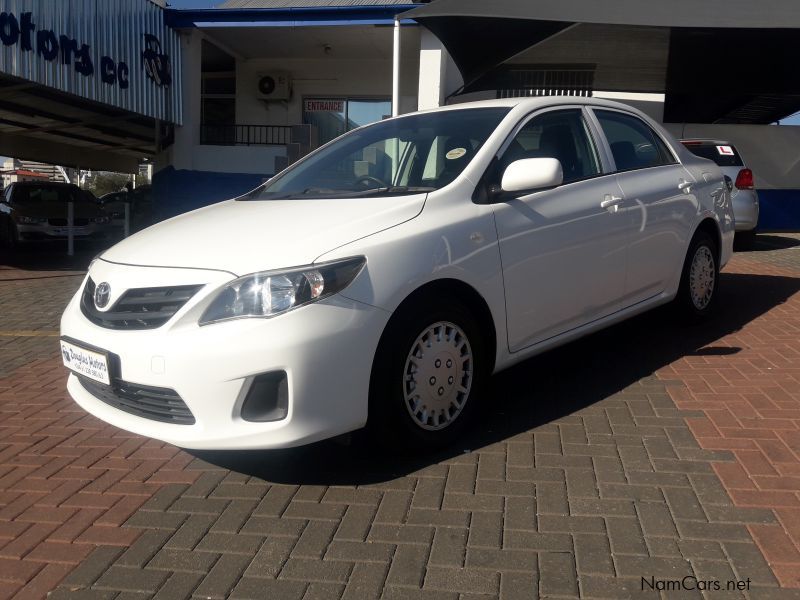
(324, 106)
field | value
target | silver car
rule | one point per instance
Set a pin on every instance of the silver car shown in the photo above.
(743, 194)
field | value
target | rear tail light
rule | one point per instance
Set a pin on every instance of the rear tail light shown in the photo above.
(744, 181)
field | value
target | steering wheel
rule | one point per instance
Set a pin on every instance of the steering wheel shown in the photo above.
(370, 179)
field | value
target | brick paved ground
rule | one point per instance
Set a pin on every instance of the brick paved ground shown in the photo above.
(642, 451)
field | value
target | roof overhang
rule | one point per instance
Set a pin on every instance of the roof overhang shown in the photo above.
(48, 125)
(286, 17)
(727, 60)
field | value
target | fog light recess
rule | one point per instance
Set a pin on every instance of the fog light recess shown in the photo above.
(267, 399)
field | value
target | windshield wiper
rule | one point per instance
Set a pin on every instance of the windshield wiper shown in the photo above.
(397, 190)
(315, 192)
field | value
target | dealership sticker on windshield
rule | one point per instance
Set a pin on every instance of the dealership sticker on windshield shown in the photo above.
(85, 362)
(455, 153)
(725, 150)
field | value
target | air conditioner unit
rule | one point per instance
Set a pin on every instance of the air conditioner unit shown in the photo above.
(273, 86)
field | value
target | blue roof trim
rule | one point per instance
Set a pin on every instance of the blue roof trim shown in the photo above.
(270, 17)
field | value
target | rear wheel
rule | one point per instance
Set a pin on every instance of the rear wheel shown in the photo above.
(700, 279)
(428, 376)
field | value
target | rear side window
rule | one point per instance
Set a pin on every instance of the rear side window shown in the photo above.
(724, 155)
(634, 144)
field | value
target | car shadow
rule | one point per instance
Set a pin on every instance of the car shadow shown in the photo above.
(49, 256)
(771, 242)
(537, 391)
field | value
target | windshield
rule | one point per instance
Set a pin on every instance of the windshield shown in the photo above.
(418, 153)
(25, 194)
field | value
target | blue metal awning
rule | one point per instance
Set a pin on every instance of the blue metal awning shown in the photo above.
(287, 17)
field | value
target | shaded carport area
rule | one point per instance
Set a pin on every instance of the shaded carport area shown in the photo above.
(716, 61)
(47, 125)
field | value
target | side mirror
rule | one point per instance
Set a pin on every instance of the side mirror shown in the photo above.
(531, 174)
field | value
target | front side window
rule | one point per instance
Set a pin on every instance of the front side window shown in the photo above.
(558, 134)
(418, 153)
(634, 144)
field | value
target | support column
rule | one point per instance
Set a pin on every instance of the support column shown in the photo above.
(396, 70)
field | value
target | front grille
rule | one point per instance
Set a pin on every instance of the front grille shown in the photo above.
(155, 403)
(63, 222)
(142, 308)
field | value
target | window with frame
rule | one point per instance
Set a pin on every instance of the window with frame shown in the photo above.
(562, 135)
(634, 144)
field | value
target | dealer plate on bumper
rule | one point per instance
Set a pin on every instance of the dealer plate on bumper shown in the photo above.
(82, 361)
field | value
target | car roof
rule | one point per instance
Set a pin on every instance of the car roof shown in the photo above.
(533, 103)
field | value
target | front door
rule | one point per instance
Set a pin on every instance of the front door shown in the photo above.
(563, 250)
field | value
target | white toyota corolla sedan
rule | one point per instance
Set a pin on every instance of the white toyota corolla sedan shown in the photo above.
(382, 279)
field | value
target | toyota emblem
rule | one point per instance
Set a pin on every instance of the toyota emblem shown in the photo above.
(101, 294)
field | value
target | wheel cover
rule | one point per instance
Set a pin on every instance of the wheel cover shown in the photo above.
(437, 377)
(702, 276)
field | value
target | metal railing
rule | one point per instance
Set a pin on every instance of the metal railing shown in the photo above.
(245, 135)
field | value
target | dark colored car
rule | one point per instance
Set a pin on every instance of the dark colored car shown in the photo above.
(140, 207)
(36, 212)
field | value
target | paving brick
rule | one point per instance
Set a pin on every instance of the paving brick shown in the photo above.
(131, 579)
(144, 548)
(230, 543)
(408, 566)
(366, 581)
(178, 586)
(223, 576)
(315, 539)
(593, 554)
(557, 575)
(305, 569)
(168, 559)
(258, 589)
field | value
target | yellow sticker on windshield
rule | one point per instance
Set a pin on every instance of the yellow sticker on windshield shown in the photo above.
(455, 153)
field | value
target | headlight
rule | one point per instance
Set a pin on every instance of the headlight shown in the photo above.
(102, 220)
(31, 220)
(275, 292)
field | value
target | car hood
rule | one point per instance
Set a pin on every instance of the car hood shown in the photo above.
(246, 236)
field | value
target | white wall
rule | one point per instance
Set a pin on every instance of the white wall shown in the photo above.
(318, 77)
(326, 76)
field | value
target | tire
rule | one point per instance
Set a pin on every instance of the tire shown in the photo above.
(417, 404)
(745, 240)
(11, 237)
(697, 295)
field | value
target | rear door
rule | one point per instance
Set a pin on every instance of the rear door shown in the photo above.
(659, 198)
(563, 250)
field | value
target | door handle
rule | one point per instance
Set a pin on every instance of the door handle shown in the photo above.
(685, 186)
(611, 203)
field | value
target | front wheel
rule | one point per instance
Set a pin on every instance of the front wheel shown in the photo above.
(700, 278)
(429, 373)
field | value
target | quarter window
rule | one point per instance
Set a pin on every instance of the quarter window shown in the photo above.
(634, 144)
(558, 134)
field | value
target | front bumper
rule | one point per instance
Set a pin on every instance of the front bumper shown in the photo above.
(326, 350)
(45, 232)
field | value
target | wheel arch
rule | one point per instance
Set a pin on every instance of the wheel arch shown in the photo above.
(711, 227)
(455, 288)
